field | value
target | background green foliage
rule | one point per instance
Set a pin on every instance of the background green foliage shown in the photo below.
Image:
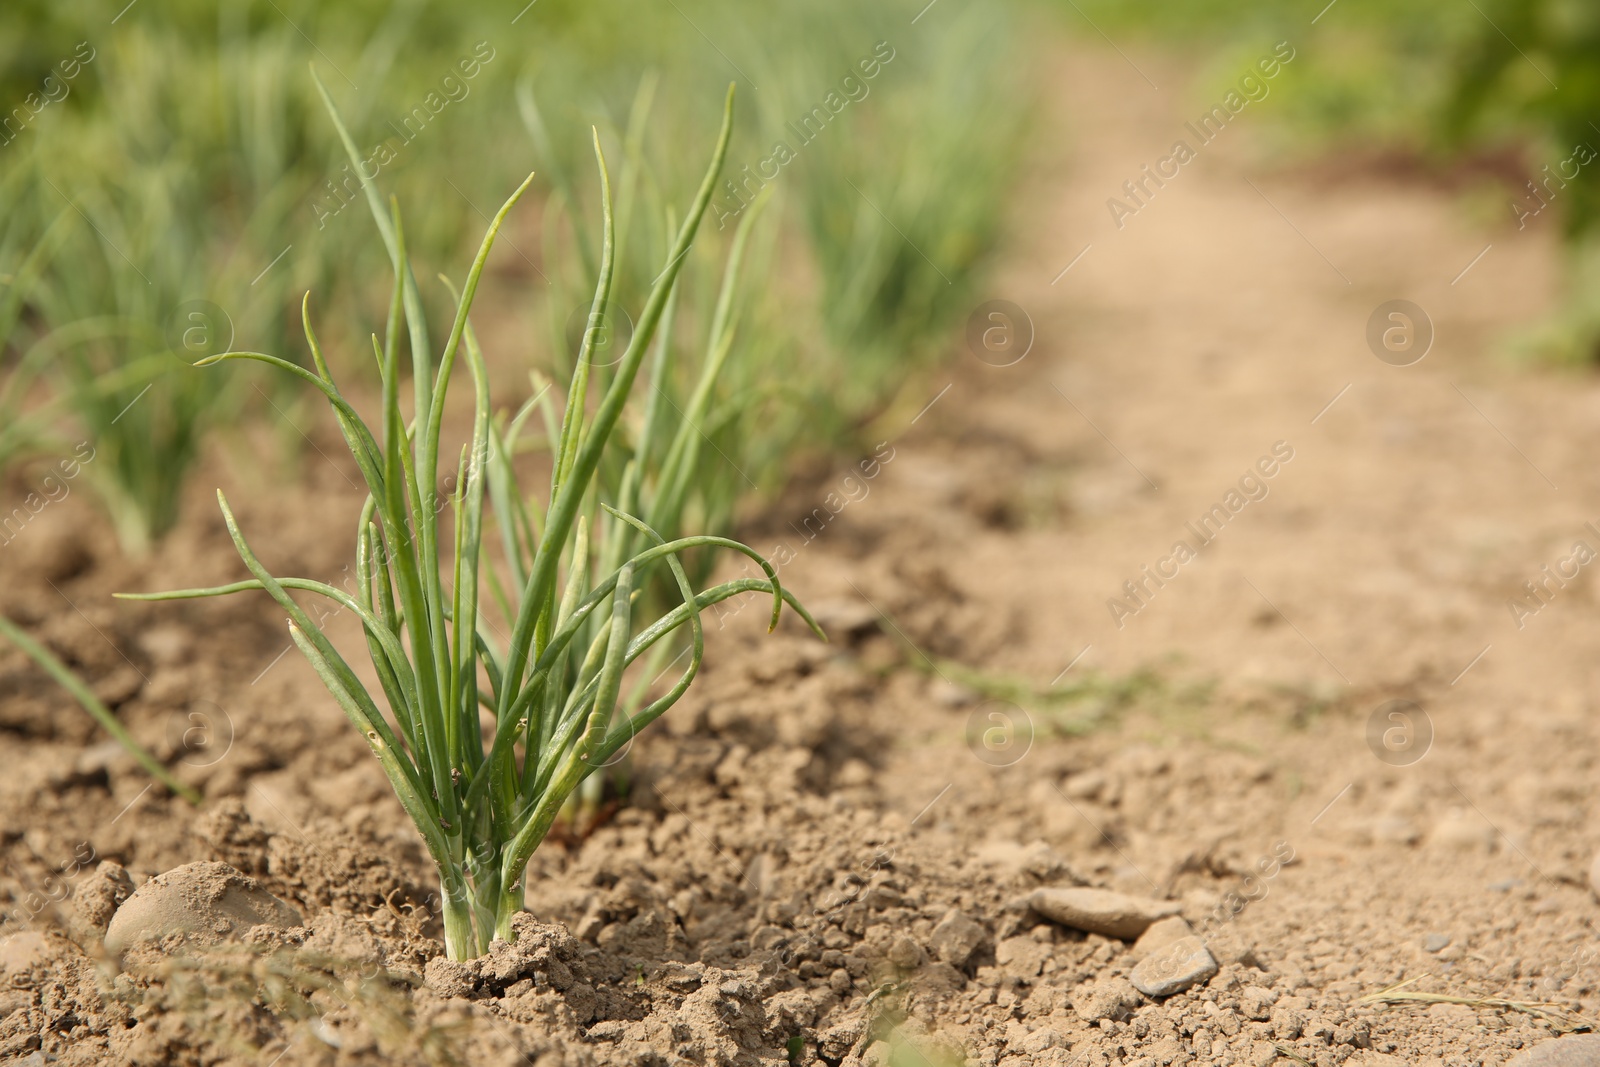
(192, 151)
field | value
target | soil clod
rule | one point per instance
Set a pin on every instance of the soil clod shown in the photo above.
(1105, 999)
(956, 939)
(101, 894)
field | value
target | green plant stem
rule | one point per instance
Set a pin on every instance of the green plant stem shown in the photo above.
(460, 941)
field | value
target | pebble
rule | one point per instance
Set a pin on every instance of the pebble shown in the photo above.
(1436, 942)
(1463, 832)
(207, 901)
(1174, 968)
(1160, 934)
(1574, 1050)
(1100, 911)
(1594, 875)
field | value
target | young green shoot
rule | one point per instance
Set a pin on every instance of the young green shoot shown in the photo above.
(484, 801)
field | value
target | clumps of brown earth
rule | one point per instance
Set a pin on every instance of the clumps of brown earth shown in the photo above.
(880, 953)
(201, 965)
(757, 900)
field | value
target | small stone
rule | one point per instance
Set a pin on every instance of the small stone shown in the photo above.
(1174, 968)
(1436, 942)
(1100, 911)
(1463, 832)
(207, 901)
(1161, 933)
(1594, 875)
(937, 980)
(1574, 1050)
(877, 1054)
(956, 938)
(1229, 945)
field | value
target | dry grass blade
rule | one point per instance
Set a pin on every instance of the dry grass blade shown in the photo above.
(1399, 994)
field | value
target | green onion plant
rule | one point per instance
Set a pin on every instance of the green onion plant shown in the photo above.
(672, 463)
(484, 800)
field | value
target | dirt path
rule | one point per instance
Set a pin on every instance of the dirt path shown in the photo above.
(824, 849)
(1221, 327)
